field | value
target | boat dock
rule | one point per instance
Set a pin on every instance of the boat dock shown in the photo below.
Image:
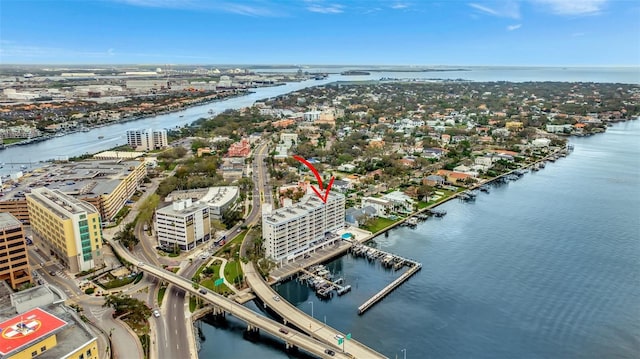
(388, 260)
(319, 279)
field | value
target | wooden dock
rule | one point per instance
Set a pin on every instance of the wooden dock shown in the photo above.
(386, 290)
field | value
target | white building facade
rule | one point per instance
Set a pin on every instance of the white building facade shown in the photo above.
(382, 206)
(147, 140)
(302, 227)
(183, 225)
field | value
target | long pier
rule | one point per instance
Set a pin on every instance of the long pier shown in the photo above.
(386, 290)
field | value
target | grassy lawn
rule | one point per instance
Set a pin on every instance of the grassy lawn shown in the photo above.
(234, 243)
(379, 224)
(163, 288)
(221, 289)
(116, 282)
(215, 266)
(193, 302)
(233, 272)
(137, 327)
(8, 141)
(446, 194)
(145, 341)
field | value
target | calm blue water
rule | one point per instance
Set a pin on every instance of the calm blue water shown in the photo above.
(544, 267)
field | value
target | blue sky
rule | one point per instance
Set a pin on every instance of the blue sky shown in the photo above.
(376, 32)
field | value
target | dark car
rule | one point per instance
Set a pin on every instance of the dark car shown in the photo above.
(284, 331)
(203, 291)
(330, 352)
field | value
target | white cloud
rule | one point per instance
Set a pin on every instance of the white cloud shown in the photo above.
(573, 7)
(399, 6)
(245, 9)
(326, 9)
(509, 9)
(514, 27)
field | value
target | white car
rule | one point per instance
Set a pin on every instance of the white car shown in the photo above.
(276, 298)
(156, 313)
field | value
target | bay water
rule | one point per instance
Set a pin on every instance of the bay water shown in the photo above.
(544, 267)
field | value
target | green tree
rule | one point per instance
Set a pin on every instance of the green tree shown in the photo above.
(135, 309)
(126, 236)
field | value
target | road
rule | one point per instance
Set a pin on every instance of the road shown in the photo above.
(52, 272)
(170, 336)
(270, 326)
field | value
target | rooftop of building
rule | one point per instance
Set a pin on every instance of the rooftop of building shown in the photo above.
(8, 221)
(89, 178)
(60, 203)
(51, 318)
(182, 207)
(5, 297)
(29, 294)
(307, 203)
(376, 200)
(118, 155)
(212, 196)
(21, 331)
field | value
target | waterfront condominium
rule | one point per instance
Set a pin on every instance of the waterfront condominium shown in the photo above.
(302, 227)
(183, 225)
(14, 261)
(67, 228)
(147, 140)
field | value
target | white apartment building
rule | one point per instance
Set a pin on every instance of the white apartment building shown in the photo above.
(183, 225)
(147, 140)
(311, 116)
(302, 227)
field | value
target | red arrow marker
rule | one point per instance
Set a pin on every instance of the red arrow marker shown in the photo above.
(318, 178)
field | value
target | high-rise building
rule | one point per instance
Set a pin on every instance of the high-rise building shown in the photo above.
(183, 225)
(14, 260)
(70, 229)
(302, 227)
(146, 140)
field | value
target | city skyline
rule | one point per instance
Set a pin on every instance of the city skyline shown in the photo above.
(470, 33)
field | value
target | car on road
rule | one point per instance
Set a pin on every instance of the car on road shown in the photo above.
(52, 273)
(203, 291)
(276, 298)
(156, 313)
(330, 352)
(284, 331)
(338, 336)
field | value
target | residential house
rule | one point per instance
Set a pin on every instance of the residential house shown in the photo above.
(433, 180)
(382, 207)
(401, 202)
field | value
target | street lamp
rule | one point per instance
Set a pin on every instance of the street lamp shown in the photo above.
(404, 352)
(311, 308)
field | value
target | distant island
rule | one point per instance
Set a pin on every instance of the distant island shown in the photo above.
(416, 70)
(355, 72)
